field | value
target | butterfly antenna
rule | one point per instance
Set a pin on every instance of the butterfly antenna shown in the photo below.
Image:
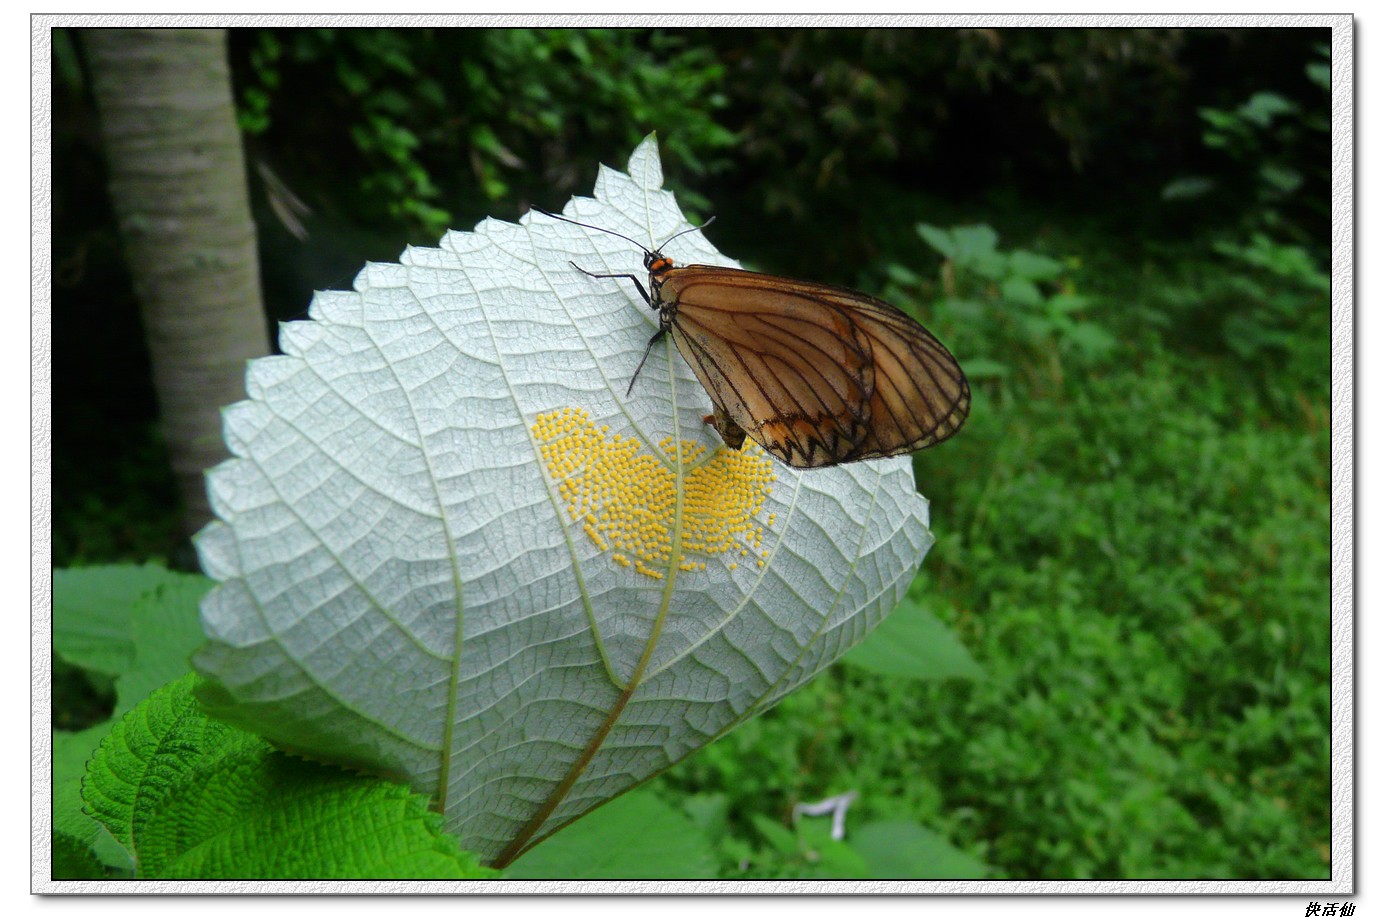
(687, 231)
(590, 227)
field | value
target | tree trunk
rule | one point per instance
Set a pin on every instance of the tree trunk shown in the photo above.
(177, 177)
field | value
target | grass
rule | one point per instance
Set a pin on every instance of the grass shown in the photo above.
(1136, 550)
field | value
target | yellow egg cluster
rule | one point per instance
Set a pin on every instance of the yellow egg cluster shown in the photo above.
(625, 498)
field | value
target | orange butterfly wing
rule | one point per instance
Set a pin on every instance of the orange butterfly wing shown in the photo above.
(921, 396)
(817, 375)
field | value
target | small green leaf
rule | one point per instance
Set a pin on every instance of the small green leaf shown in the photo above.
(1217, 118)
(166, 630)
(1262, 108)
(902, 275)
(978, 369)
(1285, 179)
(904, 849)
(962, 309)
(635, 836)
(938, 239)
(708, 811)
(1093, 339)
(913, 644)
(1187, 187)
(781, 838)
(1320, 74)
(975, 242)
(1021, 292)
(91, 613)
(74, 860)
(1034, 266)
(71, 750)
(828, 858)
(1066, 303)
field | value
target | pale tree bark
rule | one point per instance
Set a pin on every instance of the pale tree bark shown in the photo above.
(177, 180)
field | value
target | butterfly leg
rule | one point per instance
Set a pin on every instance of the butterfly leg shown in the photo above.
(618, 275)
(730, 432)
(658, 335)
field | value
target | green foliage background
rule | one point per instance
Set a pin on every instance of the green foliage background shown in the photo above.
(1121, 233)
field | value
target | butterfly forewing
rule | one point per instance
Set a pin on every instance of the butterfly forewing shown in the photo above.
(815, 374)
(790, 369)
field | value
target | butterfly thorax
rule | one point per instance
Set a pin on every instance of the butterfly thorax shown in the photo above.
(659, 267)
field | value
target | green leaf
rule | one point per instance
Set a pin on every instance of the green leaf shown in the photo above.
(1021, 292)
(71, 750)
(963, 309)
(825, 857)
(938, 239)
(903, 849)
(1034, 266)
(1284, 179)
(634, 836)
(1067, 303)
(166, 629)
(1093, 339)
(975, 246)
(453, 550)
(912, 644)
(1187, 187)
(708, 811)
(1263, 108)
(1218, 118)
(74, 860)
(192, 797)
(781, 838)
(978, 369)
(902, 275)
(266, 815)
(807, 851)
(147, 753)
(91, 613)
(139, 624)
(1320, 74)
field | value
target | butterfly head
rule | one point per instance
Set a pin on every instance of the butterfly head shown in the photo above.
(657, 264)
(654, 260)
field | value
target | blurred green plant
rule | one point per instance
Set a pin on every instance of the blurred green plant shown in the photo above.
(1000, 310)
(1183, 567)
(1280, 168)
(519, 107)
(825, 109)
(1267, 301)
(1284, 297)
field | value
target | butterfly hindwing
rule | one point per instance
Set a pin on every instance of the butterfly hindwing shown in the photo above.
(921, 396)
(817, 375)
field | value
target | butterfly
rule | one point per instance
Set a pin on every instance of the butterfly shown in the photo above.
(816, 374)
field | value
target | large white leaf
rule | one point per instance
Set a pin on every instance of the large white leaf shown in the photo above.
(453, 551)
